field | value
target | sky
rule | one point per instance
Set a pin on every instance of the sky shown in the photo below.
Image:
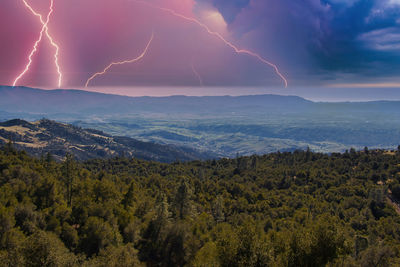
(312, 43)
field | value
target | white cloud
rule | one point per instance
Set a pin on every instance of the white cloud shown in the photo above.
(394, 2)
(383, 40)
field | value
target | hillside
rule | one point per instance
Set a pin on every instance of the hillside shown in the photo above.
(223, 125)
(43, 136)
(282, 209)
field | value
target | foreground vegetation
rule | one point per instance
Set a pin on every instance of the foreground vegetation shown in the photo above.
(281, 209)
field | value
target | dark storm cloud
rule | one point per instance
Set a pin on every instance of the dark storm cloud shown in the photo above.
(355, 36)
(312, 42)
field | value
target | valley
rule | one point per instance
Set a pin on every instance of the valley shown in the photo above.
(222, 126)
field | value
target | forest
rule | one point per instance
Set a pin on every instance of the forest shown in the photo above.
(281, 209)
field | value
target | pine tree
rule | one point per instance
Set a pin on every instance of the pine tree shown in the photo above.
(128, 199)
(218, 209)
(68, 170)
(182, 204)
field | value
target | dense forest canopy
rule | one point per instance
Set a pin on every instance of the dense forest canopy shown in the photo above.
(280, 209)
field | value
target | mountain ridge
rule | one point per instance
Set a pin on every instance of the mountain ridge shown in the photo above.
(225, 125)
(46, 136)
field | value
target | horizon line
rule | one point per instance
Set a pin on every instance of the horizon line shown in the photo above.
(315, 98)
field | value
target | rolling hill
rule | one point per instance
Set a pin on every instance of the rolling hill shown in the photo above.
(224, 125)
(44, 136)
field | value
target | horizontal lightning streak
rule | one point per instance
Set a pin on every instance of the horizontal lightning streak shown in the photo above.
(122, 62)
(219, 36)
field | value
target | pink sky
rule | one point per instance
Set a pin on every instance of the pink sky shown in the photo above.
(310, 41)
(93, 33)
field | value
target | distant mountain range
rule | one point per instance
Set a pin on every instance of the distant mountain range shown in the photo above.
(36, 101)
(222, 125)
(78, 103)
(40, 137)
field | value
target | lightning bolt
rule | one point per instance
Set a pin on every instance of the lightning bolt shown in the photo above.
(122, 62)
(219, 36)
(45, 30)
(197, 74)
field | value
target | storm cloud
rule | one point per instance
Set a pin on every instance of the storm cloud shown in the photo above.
(313, 42)
(361, 37)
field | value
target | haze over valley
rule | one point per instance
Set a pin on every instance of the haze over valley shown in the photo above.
(223, 126)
